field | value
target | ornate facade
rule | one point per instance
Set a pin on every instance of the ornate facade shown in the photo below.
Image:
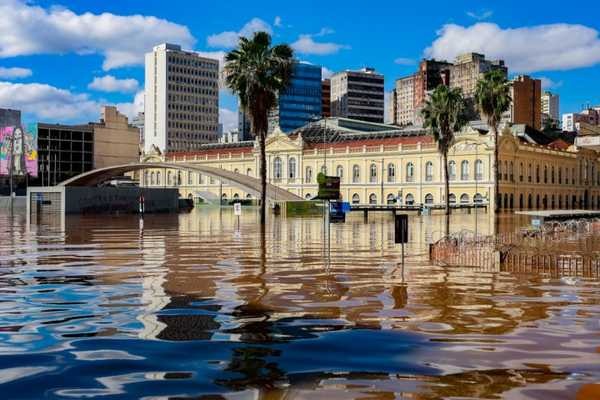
(380, 164)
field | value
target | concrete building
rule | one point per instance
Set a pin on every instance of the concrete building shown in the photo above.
(525, 107)
(405, 101)
(244, 125)
(469, 68)
(181, 99)
(550, 109)
(571, 121)
(301, 101)
(358, 95)
(68, 150)
(326, 98)
(380, 164)
(138, 122)
(10, 117)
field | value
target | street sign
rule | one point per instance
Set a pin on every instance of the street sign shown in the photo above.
(401, 228)
(237, 209)
(329, 187)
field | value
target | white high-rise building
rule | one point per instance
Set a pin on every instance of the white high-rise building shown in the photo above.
(550, 111)
(182, 99)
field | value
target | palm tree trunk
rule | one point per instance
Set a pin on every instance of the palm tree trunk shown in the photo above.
(496, 197)
(263, 179)
(447, 189)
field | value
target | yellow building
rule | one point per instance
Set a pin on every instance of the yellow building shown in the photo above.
(381, 164)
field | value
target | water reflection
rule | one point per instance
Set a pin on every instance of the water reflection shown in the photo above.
(195, 304)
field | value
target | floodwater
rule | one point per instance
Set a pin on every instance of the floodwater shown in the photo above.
(197, 306)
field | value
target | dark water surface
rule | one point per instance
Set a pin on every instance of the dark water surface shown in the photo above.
(195, 306)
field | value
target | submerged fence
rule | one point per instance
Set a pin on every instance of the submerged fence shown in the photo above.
(567, 248)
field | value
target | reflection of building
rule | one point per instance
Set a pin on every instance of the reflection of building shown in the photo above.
(181, 104)
(381, 164)
(68, 150)
(300, 101)
(358, 95)
(525, 107)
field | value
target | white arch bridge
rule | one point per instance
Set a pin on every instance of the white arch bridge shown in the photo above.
(247, 183)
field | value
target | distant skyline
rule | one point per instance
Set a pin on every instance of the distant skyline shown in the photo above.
(59, 61)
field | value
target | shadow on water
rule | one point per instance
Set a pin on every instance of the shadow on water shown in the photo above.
(201, 306)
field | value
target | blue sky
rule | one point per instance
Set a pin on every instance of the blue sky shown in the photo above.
(60, 60)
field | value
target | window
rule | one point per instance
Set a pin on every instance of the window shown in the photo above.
(428, 198)
(505, 170)
(391, 199)
(429, 171)
(464, 198)
(169, 183)
(339, 171)
(372, 199)
(464, 170)
(277, 168)
(410, 199)
(152, 181)
(307, 196)
(452, 170)
(511, 172)
(559, 175)
(545, 174)
(190, 177)
(355, 198)
(158, 178)
(324, 169)
(308, 175)
(292, 168)
(452, 198)
(478, 198)
(355, 174)
(529, 174)
(249, 172)
(178, 178)
(410, 172)
(521, 173)
(373, 173)
(537, 174)
(479, 170)
(391, 172)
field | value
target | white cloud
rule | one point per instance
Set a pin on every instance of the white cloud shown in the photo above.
(48, 102)
(122, 40)
(14, 73)
(109, 83)
(306, 45)
(404, 61)
(132, 109)
(484, 14)
(326, 73)
(228, 118)
(277, 21)
(324, 31)
(548, 83)
(526, 49)
(230, 39)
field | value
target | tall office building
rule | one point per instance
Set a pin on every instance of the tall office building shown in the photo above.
(358, 95)
(326, 98)
(550, 109)
(182, 99)
(525, 107)
(301, 101)
(469, 68)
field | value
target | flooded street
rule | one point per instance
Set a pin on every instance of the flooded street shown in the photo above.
(195, 306)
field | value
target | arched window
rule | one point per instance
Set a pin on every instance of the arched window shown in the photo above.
(249, 172)
(308, 175)
(355, 174)
(552, 176)
(410, 172)
(464, 198)
(537, 174)
(277, 168)
(200, 179)
(545, 174)
(521, 173)
(560, 175)
(478, 198)
(372, 198)
(529, 174)
(511, 175)
(429, 171)
(152, 181)
(178, 178)
(158, 178)
(169, 179)
(248, 196)
(307, 196)
(428, 198)
(190, 177)
(505, 170)
(339, 171)
(373, 173)
(452, 170)
(292, 168)
(355, 198)
(324, 169)
(410, 199)
(464, 170)
(452, 198)
(237, 171)
(391, 199)
(479, 170)
(391, 173)
(236, 196)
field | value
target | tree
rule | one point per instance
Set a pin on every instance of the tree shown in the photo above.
(257, 72)
(492, 95)
(444, 114)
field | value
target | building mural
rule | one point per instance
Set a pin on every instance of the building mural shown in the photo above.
(18, 150)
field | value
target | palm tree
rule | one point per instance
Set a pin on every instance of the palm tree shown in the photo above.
(492, 95)
(444, 114)
(257, 72)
